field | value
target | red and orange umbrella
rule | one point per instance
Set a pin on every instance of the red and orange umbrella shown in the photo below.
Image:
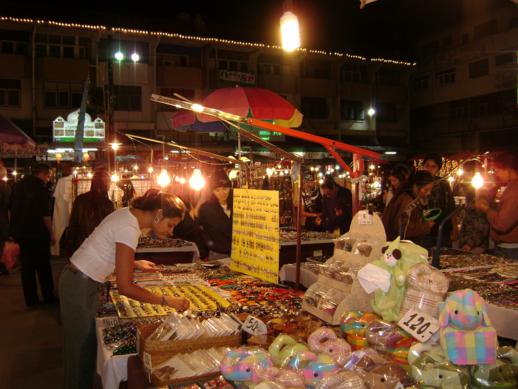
(258, 103)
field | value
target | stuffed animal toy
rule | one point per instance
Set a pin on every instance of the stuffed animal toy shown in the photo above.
(502, 374)
(344, 379)
(242, 364)
(397, 259)
(354, 325)
(466, 334)
(389, 338)
(430, 368)
(284, 348)
(426, 288)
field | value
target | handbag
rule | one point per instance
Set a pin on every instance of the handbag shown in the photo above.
(10, 254)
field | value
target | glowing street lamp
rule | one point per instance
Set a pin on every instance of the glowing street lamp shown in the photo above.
(135, 57)
(163, 179)
(115, 146)
(197, 182)
(119, 56)
(371, 112)
(290, 32)
(150, 169)
(477, 181)
(115, 177)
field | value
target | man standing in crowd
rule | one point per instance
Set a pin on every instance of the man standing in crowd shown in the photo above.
(503, 219)
(31, 227)
(337, 206)
(442, 198)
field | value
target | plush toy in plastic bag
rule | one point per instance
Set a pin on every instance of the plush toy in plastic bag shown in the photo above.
(389, 338)
(466, 334)
(387, 276)
(431, 369)
(353, 325)
(426, 289)
(342, 380)
(284, 348)
(242, 364)
(325, 341)
(501, 374)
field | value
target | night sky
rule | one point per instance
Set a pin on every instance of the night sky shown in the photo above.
(386, 27)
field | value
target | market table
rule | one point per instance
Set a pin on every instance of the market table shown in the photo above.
(309, 248)
(113, 369)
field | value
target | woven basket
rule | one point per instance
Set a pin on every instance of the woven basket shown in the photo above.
(161, 351)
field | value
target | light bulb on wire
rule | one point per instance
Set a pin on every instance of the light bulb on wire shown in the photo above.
(477, 181)
(163, 178)
(197, 182)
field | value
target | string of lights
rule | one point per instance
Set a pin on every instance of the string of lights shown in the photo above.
(195, 38)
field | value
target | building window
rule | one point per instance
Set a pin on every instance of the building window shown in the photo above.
(388, 77)
(421, 83)
(315, 107)
(459, 109)
(14, 42)
(127, 98)
(316, 69)
(446, 77)
(352, 110)
(62, 46)
(178, 60)
(269, 69)
(353, 73)
(505, 59)
(485, 29)
(10, 91)
(233, 65)
(479, 69)
(63, 95)
(387, 112)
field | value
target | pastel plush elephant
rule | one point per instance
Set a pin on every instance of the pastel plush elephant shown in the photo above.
(397, 259)
(324, 366)
(465, 329)
(242, 364)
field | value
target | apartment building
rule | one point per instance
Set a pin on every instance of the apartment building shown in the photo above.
(464, 89)
(43, 66)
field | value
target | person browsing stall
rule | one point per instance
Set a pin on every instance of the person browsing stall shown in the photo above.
(337, 206)
(503, 219)
(215, 217)
(111, 247)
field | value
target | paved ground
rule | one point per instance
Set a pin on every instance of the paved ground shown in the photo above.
(31, 343)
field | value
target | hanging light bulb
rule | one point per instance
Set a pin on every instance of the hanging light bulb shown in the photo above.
(150, 169)
(451, 179)
(372, 167)
(269, 172)
(5, 178)
(290, 33)
(460, 172)
(135, 167)
(163, 178)
(89, 175)
(115, 177)
(197, 182)
(477, 181)
(182, 180)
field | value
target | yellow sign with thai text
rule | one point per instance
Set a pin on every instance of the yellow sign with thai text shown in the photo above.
(255, 233)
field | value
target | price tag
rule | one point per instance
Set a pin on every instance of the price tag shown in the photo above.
(254, 326)
(364, 217)
(420, 325)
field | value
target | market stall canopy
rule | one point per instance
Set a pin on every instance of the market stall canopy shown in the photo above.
(13, 140)
(258, 103)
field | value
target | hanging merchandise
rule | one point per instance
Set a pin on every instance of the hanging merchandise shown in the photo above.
(467, 336)
(387, 276)
(337, 289)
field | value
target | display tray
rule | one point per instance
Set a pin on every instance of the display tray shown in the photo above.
(161, 351)
(201, 298)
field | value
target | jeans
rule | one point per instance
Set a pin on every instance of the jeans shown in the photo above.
(79, 297)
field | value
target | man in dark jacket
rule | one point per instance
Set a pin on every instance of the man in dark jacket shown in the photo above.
(337, 206)
(31, 227)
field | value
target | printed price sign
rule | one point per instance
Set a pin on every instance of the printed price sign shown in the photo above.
(420, 325)
(254, 326)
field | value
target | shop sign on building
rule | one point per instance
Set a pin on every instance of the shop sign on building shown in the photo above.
(64, 131)
(255, 233)
(239, 77)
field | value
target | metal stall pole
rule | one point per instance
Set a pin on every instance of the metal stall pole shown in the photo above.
(299, 229)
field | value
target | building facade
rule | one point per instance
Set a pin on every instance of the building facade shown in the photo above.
(43, 66)
(464, 94)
